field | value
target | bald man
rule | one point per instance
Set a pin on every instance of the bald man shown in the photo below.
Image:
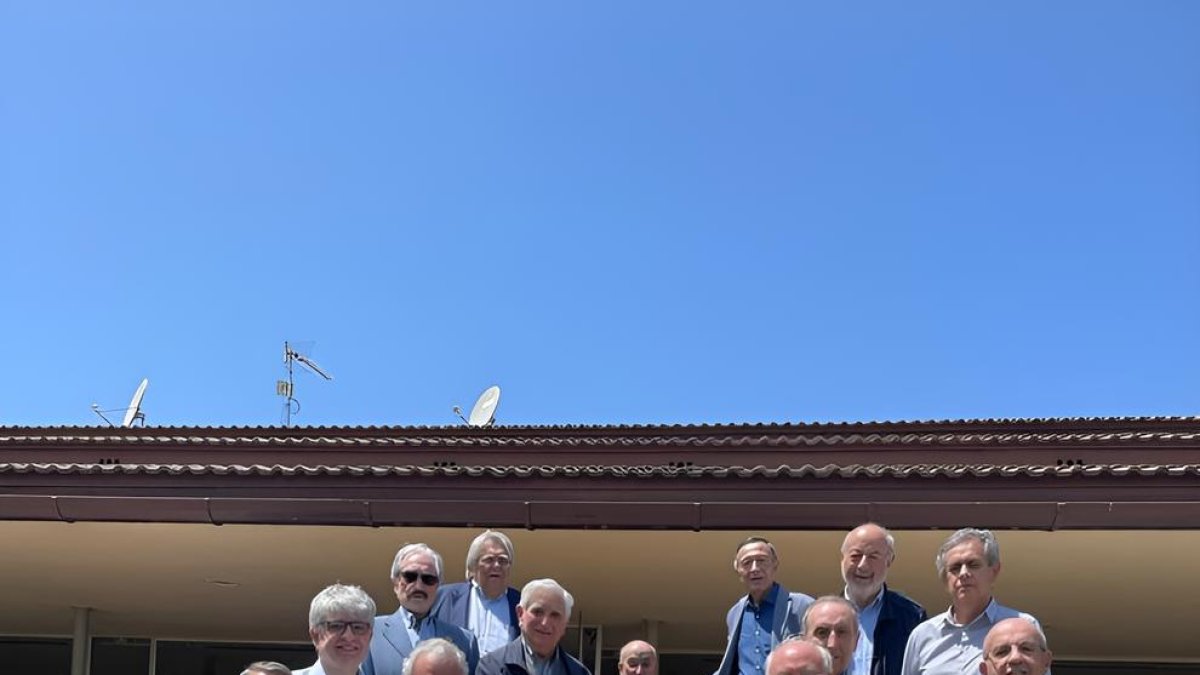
(885, 617)
(1015, 647)
(638, 658)
(795, 656)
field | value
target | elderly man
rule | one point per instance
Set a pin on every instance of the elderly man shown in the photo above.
(638, 658)
(885, 617)
(339, 623)
(484, 604)
(416, 573)
(266, 668)
(542, 613)
(951, 643)
(1015, 647)
(767, 614)
(436, 656)
(795, 656)
(832, 622)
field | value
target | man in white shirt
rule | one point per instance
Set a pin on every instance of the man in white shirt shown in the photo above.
(951, 643)
(485, 603)
(339, 623)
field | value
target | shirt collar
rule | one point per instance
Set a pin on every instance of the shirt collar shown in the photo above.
(989, 612)
(870, 605)
(532, 658)
(411, 620)
(768, 599)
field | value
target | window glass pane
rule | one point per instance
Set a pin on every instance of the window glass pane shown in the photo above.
(33, 656)
(120, 656)
(223, 658)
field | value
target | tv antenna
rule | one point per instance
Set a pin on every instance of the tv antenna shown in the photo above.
(133, 413)
(483, 413)
(287, 388)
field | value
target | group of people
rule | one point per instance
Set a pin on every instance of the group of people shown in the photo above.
(483, 626)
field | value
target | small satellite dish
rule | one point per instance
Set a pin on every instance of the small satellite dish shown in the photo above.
(134, 411)
(484, 412)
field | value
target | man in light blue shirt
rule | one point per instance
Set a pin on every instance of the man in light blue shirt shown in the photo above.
(951, 643)
(485, 604)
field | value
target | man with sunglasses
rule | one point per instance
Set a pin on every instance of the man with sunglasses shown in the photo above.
(416, 574)
(484, 604)
(339, 623)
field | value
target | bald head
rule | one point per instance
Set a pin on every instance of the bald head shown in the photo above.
(638, 658)
(797, 657)
(867, 552)
(1015, 647)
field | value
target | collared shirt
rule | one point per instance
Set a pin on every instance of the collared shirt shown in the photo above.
(536, 665)
(489, 619)
(868, 618)
(940, 646)
(418, 629)
(754, 640)
(316, 669)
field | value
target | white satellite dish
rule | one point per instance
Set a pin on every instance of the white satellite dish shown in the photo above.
(134, 411)
(484, 412)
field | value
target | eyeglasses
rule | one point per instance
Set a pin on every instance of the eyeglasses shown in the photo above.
(501, 560)
(359, 628)
(411, 576)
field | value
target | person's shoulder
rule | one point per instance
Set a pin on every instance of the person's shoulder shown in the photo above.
(455, 633)
(902, 601)
(576, 666)
(928, 627)
(456, 588)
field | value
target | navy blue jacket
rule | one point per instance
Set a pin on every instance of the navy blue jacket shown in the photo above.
(898, 616)
(510, 660)
(454, 606)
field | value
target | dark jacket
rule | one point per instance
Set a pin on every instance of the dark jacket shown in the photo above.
(453, 606)
(898, 616)
(510, 660)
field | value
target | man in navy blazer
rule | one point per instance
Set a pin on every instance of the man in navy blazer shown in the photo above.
(543, 613)
(885, 617)
(762, 618)
(484, 604)
(416, 574)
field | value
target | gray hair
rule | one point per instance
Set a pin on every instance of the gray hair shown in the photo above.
(826, 657)
(991, 547)
(829, 600)
(439, 649)
(409, 550)
(475, 552)
(549, 585)
(267, 667)
(341, 599)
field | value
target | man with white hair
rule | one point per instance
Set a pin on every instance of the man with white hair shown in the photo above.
(951, 643)
(436, 656)
(339, 624)
(484, 604)
(1015, 647)
(267, 668)
(416, 574)
(885, 617)
(637, 658)
(796, 656)
(543, 613)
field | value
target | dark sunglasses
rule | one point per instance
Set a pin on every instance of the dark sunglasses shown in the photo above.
(411, 576)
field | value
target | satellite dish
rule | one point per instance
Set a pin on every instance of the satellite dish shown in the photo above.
(484, 412)
(134, 411)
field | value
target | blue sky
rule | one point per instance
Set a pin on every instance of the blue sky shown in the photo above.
(623, 212)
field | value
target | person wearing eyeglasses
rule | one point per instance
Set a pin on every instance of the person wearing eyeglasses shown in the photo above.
(339, 623)
(543, 614)
(1015, 647)
(416, 574)
(763, 617)
(484, 604)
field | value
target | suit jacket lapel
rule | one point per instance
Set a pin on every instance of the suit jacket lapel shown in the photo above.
(396, 633)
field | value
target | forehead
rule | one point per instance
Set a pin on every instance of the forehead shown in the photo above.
(866, 540)
(492, 547)
(971, 548)
(639, 652)
(754, 550)
(548, 600)
(1011, 633)
(830, 614)
(417, 561)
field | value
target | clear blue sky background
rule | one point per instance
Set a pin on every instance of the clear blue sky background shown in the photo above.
(620, 212)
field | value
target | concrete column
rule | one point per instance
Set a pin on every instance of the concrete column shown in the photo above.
(81, 642)
(650, 631)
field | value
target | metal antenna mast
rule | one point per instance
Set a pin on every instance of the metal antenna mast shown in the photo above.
(288, 388)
